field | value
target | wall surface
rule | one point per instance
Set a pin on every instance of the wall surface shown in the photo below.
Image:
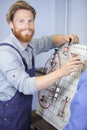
(78, 19)
(71, 17)
(60, 16)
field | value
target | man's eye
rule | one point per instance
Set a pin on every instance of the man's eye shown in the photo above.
(21, 21)
(30, 20)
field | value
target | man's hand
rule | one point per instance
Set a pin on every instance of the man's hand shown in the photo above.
(61, 39)
(72, 38)
(72, 65)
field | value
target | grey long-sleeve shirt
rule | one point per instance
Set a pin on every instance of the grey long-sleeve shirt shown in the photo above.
(12, 70)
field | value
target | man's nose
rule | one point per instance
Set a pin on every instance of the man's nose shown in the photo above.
(27, 24)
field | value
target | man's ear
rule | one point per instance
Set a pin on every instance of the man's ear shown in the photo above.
(11, 24)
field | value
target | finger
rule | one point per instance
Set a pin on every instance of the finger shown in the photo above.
(75, 57)
(75, 39)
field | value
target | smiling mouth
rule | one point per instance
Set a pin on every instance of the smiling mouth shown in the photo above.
(26, 32)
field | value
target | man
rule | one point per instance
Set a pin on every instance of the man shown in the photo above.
(17, 71)
(78, 117)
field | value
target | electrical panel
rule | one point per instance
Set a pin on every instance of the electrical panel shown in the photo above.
(54, 102)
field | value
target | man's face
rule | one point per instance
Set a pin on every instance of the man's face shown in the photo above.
(23, 25)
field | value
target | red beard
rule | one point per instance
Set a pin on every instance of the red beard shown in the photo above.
(23, 37)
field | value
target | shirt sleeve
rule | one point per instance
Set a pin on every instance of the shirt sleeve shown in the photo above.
(78, 117)
(13, 72)
(43, 44)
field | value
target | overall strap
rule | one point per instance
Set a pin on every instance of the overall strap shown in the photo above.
(23, 59)
(32, 55)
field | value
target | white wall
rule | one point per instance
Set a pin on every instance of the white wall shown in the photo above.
(76, 18)
(60, 16)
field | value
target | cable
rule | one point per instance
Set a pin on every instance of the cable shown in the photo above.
(46, 96)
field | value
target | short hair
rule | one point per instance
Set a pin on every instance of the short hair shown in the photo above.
(20, 4)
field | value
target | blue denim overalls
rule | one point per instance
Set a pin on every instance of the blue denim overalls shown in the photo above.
(15, 114)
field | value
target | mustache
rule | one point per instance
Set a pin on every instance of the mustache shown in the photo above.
(23, 30)
(29, 29)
